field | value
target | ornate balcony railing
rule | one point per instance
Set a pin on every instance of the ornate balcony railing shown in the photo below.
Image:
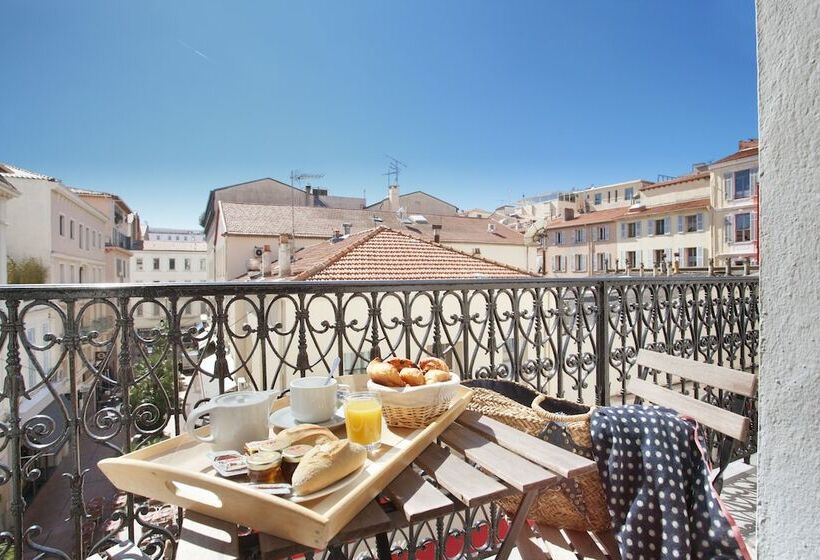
(72, 396)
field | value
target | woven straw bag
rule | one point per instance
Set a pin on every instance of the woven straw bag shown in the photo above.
(577, 504)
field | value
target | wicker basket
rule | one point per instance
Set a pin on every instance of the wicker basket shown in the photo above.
(415, 407)
(577, 504)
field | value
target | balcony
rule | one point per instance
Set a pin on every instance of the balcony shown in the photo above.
(576, 339)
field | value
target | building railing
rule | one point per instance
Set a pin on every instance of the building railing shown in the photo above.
(113, 392)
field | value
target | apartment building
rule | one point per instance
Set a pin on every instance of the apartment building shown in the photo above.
(581, 244)
(162, 260)
(734, 197)
(171, 234)
(7, 192)
(121, 235)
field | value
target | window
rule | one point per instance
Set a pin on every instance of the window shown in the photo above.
(743, 185)
(559, 237)
(602, 233)
(156, 264)
(599, 198)
(631, 259)
(87, 239)
(81, 236)
(609, 196)
(691, 223)
(659, 256)
(691, 256)
(71, 229)
(139, 264)
(602, 262)
(580, 263)
(579, 235)
(632, 230)
(560, 264)
(660, 227)
(62, 225)
(202, 264)
(743, 227)
(187, 265)
(628, 193)
(62, 273)
(177, 238)
(71, 273)
(99, 239)
(172, 264)
(616, 195)
(120, 268)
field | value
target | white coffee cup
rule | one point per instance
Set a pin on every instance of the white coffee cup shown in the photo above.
(315, 399)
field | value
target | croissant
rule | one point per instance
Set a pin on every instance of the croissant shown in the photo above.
(401, 363)
(436, 376)
(384, 374)
(433, 363)
(412, 376)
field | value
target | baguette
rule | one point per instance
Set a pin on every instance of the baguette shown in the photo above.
(325, 464)
(308, 434)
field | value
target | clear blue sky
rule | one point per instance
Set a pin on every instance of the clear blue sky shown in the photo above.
(162, 101)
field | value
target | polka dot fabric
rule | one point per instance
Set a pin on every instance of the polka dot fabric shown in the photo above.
(660, 498)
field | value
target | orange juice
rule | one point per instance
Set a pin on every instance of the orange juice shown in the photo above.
(363, 419)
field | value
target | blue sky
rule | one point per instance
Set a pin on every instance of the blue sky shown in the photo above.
(485, 101)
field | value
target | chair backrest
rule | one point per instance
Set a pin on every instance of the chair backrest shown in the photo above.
(741, 383)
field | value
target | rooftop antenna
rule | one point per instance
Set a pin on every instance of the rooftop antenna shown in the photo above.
(296, 178)
(393, 169)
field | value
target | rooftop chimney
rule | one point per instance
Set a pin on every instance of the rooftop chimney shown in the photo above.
(284, 255)
(347, 227)
(436, 230)
(267, 258)
(746, 144)
(308, 201)
(569, 214)
(393, 198)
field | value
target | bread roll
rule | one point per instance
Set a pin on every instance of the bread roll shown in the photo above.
(433, 363)
(412, 376)
(307, 434)
(400, 363)
(325, 464)
(437, 376)
(384, 374)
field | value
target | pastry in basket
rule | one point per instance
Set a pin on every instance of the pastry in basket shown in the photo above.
(401, 363)
(437, 376)
(428, 364)
(327, 463)
(384, 373)
(412, 376)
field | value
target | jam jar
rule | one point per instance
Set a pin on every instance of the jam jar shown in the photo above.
(291, 456)
(265, 467)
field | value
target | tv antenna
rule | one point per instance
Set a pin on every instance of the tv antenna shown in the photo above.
(296, 178)
(393, 169)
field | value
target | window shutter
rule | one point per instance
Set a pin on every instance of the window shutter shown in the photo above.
(595, 258)
(700, 256)
(606, 233)
(583, 263)
(623, 231)
(622, 262)
(699, 220)
(583, 235)
(704, 255)
(667, 225)
(638, 228)
(650, 231)
(728, 186)
(753, 225)
(565, 265)
(680, 224)
(728, 227)
(753, 180)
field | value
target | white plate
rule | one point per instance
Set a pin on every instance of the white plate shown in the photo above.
(283, 418)
(328, 489)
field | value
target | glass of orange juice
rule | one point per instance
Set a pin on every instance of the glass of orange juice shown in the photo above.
(363, 419)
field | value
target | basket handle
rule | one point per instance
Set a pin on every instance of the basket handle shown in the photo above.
(536, 402)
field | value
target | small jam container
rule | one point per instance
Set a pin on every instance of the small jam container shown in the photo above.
(291, 457)
(264, 467)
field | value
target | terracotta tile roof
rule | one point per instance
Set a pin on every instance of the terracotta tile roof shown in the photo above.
(385, 254)
(597, 217)
(747, 148)
(695, 204)
(677, 181)
(20, 173)
(268, 220)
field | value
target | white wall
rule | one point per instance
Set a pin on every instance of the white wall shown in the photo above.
(788, 39)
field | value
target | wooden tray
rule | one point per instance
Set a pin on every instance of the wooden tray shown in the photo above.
(177, 471)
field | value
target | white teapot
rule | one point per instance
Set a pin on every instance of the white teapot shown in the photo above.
(236, 418)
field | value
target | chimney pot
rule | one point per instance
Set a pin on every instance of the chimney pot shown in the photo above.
(284, 255)
(393, 198)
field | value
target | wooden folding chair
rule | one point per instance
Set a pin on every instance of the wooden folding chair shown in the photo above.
(731, 423)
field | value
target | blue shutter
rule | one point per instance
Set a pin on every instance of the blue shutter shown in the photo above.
(650, 231)
(638, 228)
(728, 227)
(623, 231)
(699, 220)
(700, 256)
(667, 225)
(680, 224)
(728, 186)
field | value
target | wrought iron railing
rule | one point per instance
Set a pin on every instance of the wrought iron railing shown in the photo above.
(71, 396)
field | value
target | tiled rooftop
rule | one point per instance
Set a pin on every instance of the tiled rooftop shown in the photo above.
(304, 221)
(678, 180)
(589, 218)
(19, 173)
(695, 204)
(384, 254)
(746, 148)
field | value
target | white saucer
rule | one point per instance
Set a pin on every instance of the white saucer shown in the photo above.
(283, 418)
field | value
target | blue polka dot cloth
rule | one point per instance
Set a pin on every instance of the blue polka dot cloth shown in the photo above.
(656, 479)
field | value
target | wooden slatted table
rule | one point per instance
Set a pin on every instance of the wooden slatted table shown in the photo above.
(476, 461)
